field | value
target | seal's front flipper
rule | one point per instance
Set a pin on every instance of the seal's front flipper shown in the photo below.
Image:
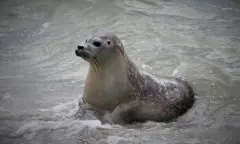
(142, 111)
(126, 113)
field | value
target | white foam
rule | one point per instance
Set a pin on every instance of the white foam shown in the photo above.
(117, 139)
(46, 25)
(179, 70)
(91, 123)
(63, 110)
(33, 128)
(144, 66)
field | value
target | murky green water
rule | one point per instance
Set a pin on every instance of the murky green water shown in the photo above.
(41, 79)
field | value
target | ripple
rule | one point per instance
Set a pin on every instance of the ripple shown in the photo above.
(42, 79)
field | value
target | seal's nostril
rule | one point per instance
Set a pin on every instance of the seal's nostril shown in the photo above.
(80, 47)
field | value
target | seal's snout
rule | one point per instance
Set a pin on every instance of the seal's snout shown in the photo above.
(81, 52)
(80, 47)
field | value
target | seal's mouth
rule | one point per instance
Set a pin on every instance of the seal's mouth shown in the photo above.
(82, 53)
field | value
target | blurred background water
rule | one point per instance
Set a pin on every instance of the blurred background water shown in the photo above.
(41, 79)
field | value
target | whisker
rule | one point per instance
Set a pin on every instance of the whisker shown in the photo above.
(95, 66)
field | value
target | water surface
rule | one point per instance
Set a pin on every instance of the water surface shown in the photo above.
(41, 79)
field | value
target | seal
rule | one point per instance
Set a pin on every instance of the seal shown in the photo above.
(114, 83)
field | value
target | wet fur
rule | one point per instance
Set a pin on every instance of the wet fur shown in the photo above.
(117, 85)
(161, 100)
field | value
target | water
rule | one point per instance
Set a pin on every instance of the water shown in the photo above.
(41, 79)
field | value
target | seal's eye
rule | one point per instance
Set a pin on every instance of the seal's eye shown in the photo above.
(108, 42)
(97, 44)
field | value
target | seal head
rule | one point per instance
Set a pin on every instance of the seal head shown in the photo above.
(100, 47)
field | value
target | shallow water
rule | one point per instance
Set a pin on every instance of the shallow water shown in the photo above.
(41, 79)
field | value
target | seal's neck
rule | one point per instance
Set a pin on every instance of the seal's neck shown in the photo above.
(106, 85)
(113, 65)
